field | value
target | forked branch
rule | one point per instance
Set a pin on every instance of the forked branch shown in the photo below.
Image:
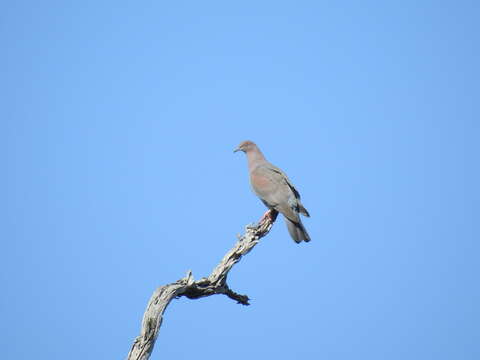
(215, 283)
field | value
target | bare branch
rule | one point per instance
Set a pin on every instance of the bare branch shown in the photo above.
(215, 283)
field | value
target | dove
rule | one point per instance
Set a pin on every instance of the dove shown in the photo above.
(275, 190)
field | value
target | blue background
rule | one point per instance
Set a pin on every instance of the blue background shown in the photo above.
(118, 121)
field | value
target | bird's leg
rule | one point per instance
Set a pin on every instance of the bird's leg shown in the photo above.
(264, 217)
(270, 215)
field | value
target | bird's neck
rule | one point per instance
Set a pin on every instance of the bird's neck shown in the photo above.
(255, 158)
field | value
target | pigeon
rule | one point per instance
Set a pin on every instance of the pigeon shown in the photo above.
(275, 190)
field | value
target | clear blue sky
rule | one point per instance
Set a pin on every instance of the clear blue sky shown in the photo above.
(118, 121)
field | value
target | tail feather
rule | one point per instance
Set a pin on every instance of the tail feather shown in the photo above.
(297, 231)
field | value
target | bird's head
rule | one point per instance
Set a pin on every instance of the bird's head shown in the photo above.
(246, 146)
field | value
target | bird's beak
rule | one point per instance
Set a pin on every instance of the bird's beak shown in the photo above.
(237, 149)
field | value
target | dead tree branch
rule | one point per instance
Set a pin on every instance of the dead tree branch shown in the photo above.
(215, 283)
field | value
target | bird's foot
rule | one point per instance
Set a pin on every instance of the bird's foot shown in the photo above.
(269, 216)
(264, 217)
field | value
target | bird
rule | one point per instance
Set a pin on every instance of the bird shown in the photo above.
(275, 190)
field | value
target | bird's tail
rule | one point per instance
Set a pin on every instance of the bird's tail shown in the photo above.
(297, 231)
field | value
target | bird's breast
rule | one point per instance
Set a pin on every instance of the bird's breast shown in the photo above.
(259, 180)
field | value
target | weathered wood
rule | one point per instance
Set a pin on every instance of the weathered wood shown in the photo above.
(215, 283)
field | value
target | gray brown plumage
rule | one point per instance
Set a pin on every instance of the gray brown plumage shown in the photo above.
(275, 190)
